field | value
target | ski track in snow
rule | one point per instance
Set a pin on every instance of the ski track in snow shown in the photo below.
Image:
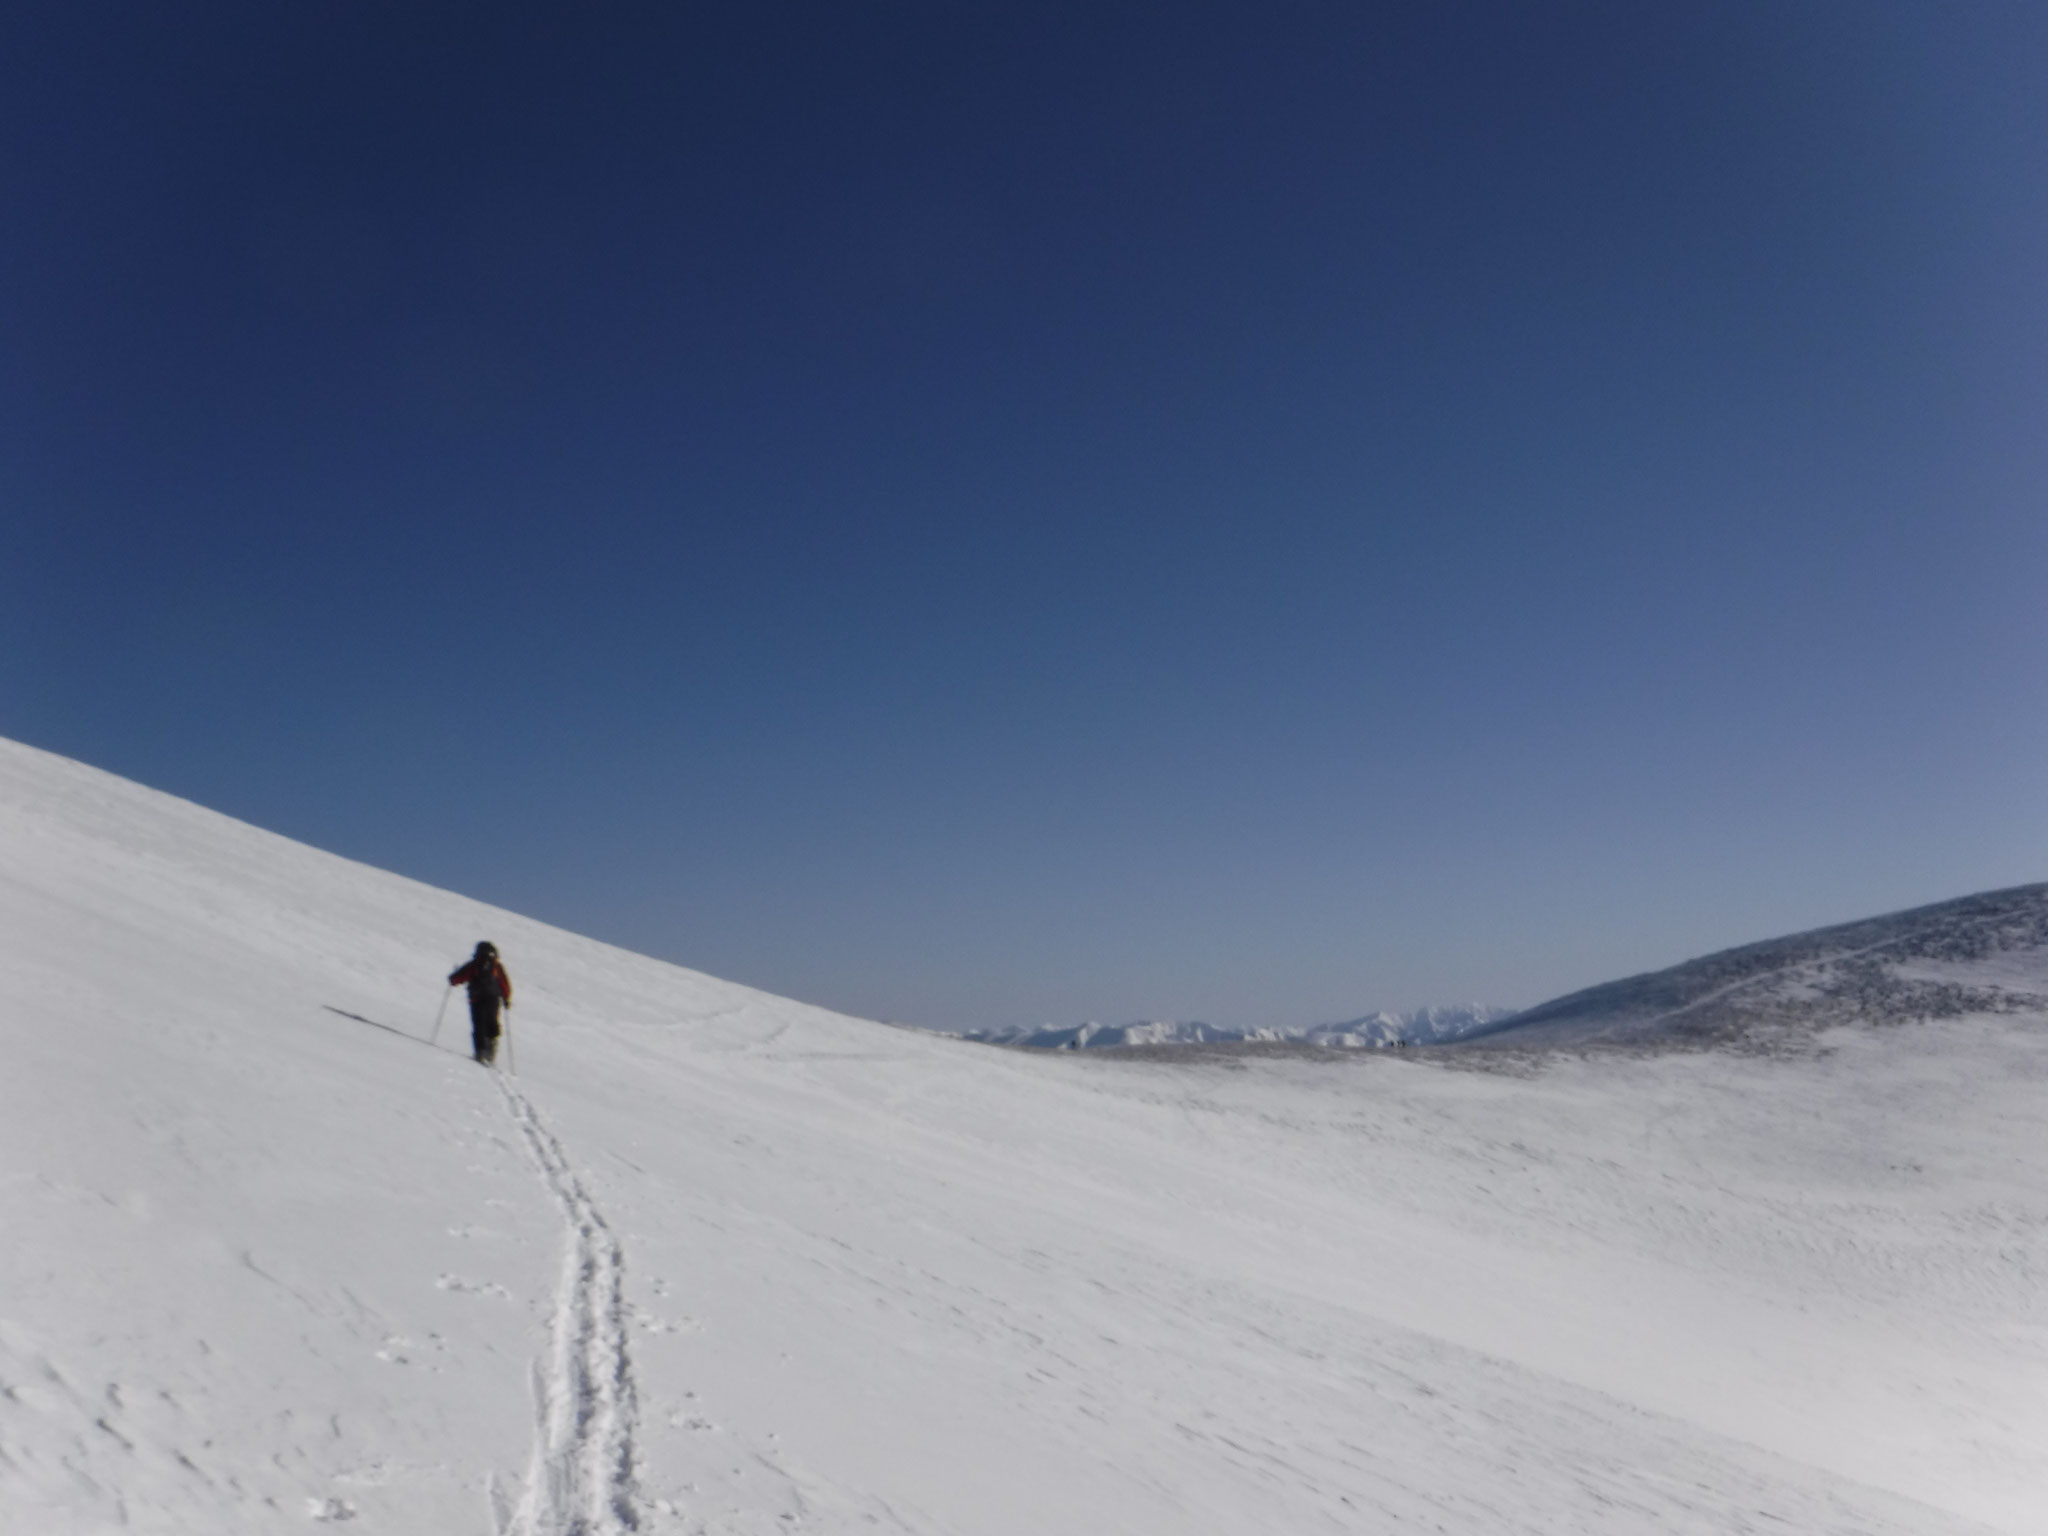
(581, 1479)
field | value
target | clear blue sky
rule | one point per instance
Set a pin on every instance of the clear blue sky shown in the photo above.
(980, 515)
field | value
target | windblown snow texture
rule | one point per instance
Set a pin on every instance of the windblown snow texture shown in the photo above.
(717, 1262)
(1981, 954)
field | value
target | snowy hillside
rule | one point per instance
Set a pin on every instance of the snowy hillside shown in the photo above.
(1981, 954)
(718, 1262)
(1421, 1026)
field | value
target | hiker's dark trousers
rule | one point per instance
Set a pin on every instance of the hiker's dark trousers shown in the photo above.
(483, 1026)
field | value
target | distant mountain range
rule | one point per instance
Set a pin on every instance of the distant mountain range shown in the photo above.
(1422, 1026)
(1979, 954)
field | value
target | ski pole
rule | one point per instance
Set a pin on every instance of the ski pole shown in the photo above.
(511, 1056)
(446, 993)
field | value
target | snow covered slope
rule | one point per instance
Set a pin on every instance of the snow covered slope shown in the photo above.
(1981, 954)
(719, 1262)
(1421, 1026)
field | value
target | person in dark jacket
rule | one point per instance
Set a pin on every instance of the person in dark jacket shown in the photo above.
(489, 987)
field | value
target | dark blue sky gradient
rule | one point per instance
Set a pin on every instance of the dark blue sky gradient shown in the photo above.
(1249, 512)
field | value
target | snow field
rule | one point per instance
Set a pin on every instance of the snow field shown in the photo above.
(721, 1262)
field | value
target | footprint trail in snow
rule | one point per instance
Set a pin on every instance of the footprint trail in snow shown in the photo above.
(581, 1479)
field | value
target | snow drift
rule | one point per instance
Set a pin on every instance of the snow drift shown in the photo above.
(715, 1261)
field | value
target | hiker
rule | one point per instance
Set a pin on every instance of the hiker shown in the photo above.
(489, 986)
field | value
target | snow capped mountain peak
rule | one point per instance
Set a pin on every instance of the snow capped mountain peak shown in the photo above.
(1421, 1026)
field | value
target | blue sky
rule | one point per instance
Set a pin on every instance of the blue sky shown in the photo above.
(1251, 512)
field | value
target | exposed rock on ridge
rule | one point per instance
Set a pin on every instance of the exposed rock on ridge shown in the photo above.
(1980, 954)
